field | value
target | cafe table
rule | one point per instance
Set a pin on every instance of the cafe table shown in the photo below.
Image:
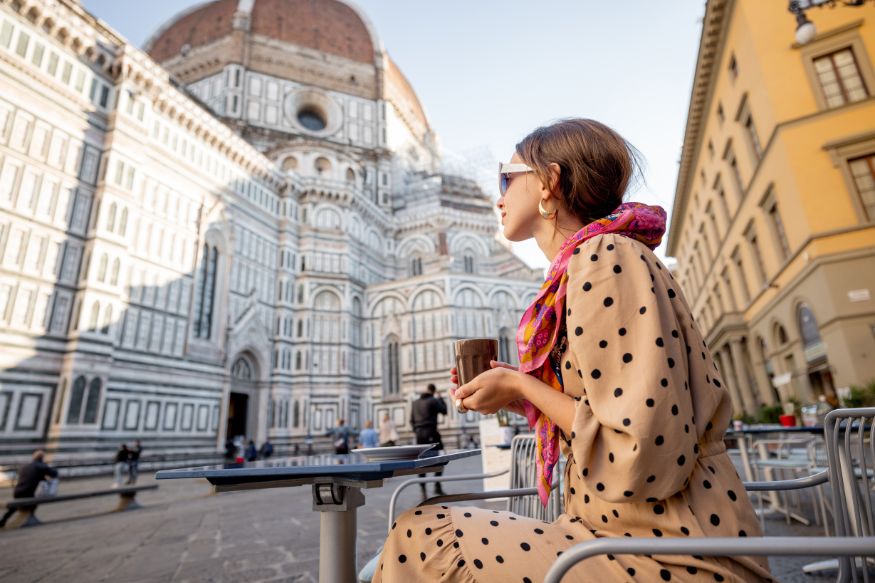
(336, 484)
(742, 435)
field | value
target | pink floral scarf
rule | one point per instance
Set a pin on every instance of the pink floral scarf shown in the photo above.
(539, 328)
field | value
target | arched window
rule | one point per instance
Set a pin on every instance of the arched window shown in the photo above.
(110, 217)
(780, 335)
(271, 418)
(205, 294)
(116, 265)
(416, 266)
(808, 327)
(107, 320)
(391, 367)
(297, 361)
(95, 315)
(469, 263)
(123, 223)
(101, 268)
(92, 403)
(812, 343)
(74, 410)
(350, 175)
(296, 415)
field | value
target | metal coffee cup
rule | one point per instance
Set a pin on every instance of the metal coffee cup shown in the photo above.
(472, 358)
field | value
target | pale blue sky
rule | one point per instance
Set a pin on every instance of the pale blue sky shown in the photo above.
(489, 71)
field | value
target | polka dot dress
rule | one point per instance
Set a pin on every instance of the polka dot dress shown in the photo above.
(645, 455)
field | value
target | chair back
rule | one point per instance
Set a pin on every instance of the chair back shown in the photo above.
(524, 474)
(851, 457)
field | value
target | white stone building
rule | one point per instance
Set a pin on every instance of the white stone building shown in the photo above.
(252, 237)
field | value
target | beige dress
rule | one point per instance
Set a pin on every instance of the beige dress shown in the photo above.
(645, 456)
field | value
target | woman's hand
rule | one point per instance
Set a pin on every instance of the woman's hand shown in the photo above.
(494, 389)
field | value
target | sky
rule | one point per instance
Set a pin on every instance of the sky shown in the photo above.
(490, 71)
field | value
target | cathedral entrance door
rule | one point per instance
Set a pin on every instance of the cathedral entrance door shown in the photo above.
(242, 400)
(238, 406)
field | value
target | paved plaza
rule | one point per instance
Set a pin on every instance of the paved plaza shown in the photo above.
(185, 534)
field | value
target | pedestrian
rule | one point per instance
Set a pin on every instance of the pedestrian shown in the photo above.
(424, 420)
(230, 450)
(251, 453)
(266, 449)
(30, 476)
(341, 434)
(368, 436)
(388, 433)
(134, 462)
(120, 465)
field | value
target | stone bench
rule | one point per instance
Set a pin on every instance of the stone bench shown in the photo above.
(26, 507)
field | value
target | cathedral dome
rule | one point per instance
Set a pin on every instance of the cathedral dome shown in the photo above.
(328, 26)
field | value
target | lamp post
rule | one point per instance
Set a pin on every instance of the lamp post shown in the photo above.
(805, 29)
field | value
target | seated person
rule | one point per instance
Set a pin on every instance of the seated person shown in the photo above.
(614, 371)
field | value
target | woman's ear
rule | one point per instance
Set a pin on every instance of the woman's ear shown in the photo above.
(554, 173)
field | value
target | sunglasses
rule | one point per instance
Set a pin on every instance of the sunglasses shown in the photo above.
(505, 172)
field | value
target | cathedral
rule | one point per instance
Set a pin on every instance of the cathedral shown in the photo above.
(243, 229)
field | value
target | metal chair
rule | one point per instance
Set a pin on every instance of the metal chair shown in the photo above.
(850, 458)
(522, 496)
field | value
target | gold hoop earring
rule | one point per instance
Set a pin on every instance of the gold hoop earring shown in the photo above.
(544, 212)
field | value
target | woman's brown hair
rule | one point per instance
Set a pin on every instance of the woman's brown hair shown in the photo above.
(596, 165)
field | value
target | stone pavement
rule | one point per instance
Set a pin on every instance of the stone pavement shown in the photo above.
(185, 534)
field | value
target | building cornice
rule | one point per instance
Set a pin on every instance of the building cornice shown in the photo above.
(711, 44)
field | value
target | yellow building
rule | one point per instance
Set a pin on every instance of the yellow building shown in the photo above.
(773, 224)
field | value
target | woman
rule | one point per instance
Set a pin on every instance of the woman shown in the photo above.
(614, 371)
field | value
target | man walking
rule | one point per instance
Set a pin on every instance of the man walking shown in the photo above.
(424, 420)
(29, 477)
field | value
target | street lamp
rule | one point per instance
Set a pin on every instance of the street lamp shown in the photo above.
(805, 29)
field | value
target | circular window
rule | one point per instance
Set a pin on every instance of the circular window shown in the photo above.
(311, 119)
(290, 163)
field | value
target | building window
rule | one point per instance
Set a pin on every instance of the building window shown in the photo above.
(416, 266)
(742, 277)
(733, 67)
(205, 293)
(863, 171)
(770, 207)
(727, 283)
(74, 410)
(721, 195)
(721, 116)
(469, 263)
(751, 236)
(745, 118)
(838, 75)
(709, 211)
(92, 402)
(391, 367)
(732, 162)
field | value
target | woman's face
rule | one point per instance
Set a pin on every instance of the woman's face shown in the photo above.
(519, 204)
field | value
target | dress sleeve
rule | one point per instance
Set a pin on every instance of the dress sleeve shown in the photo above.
(633, 436)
